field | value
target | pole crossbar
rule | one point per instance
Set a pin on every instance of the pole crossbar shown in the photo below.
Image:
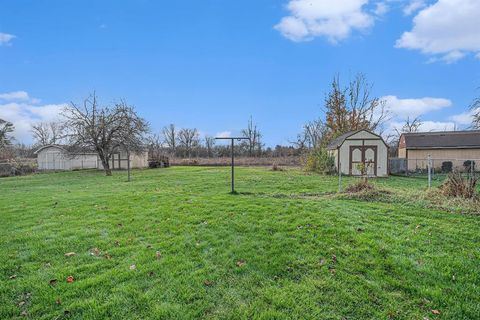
(232, 140)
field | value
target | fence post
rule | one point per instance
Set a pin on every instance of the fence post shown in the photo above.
(339, 177)
(429, 164)
(472, 168)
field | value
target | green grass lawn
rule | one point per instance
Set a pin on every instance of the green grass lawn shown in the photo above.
(285, 247)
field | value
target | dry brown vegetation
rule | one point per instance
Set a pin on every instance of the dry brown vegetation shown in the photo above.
(292, 161)
(458, 186)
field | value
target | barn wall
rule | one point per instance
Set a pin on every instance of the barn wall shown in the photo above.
(418, 158)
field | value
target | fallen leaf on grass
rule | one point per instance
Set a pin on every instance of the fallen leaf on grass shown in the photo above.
(434, 311)
(70, 279)
(24, 313)
(107, 256)
(13, 277)
(117, 243)
(334, 259)
(21, 303)
(95, 252)
(241, 263)
(70, 254)
(208, 283)
(133, 267)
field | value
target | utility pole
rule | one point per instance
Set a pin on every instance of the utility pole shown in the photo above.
(232, 141)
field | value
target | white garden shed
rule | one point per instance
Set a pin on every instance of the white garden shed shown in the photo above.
(360, 149)
(56, 157)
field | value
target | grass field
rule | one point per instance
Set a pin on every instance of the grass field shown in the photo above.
(173, 244)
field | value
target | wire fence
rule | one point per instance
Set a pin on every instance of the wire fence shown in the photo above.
(432, 169)
(421, 167)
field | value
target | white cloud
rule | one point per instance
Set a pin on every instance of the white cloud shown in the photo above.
(224, 134)
(437, 126)
(6, 38)
(15, 95)
(464, 118)
(412, 108)
(426, 126)
(413, 6)
(447, 30)
(24, 111)
(334, 20)
(381, 8)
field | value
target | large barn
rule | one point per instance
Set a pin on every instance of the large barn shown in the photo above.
(360, 149)
(450, 146)
(57, 157)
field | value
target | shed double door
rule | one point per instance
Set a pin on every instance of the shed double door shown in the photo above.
(363, 158)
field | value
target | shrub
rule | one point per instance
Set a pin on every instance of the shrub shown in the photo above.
(318, 160)
(16, 169)
(276, 167)
(469, 165)
(447, 166)
(459, 187)
(189, 162)
(159, 162)
(360, 186)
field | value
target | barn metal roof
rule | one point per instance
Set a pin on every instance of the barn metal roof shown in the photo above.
(443, 140)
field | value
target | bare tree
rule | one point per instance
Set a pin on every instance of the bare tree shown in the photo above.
(410, 126)
(475, 108)
(254, 138)
(366, 112)
(6, 128)
(209, 145)
(104, 129)
(48, 132)
(315, 133)
(155, 146)
(170, 137)
(188, 139)
(353, 107)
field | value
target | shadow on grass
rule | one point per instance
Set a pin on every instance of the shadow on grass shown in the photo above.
(277, 195)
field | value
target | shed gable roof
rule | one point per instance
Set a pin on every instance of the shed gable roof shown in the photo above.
(337, 142)
(445, 139)
(56, 146)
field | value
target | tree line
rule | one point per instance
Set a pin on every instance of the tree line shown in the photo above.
(107, 128)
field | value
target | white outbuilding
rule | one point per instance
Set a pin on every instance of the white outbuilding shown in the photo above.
(57, 157)
(360, 151)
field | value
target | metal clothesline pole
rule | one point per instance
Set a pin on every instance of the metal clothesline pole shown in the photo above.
(232, 141)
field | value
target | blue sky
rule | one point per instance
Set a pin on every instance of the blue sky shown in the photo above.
(212, 64)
